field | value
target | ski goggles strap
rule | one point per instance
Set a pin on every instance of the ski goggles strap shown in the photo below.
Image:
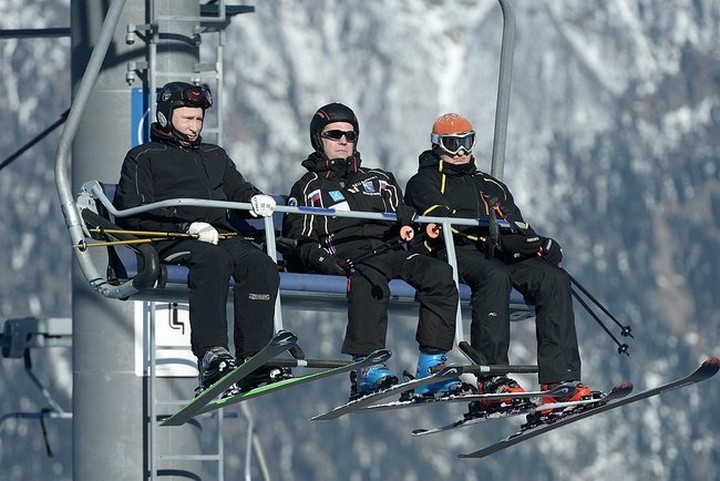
(453, 143)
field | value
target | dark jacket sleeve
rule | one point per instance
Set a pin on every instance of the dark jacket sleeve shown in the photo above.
(306, 229)
(423, 195)
(509, 207)
(135, 188)
(396, 203)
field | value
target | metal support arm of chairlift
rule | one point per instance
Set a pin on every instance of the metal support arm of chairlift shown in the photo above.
(62, 176)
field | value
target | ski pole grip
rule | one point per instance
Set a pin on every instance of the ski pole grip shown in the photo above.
(432, 231)
(407, 233)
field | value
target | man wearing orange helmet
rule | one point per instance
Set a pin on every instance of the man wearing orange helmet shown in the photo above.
(449, 184)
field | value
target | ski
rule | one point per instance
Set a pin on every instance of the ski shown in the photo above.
(559, 391)
(707, 370)
(446, 372)
(280, 343)
(474, 417)
(376, 357)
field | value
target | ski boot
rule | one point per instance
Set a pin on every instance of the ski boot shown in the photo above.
(214, 365)
(497, 385)
(425, 365)
(577, 391)
(369, 379)
(262, 376)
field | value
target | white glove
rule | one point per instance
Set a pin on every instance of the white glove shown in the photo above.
(204, 232)
(262, 205)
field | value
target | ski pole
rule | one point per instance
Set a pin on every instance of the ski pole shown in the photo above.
(349, 264)
(100, 230)
(84, 245)
(622, 348)
(431, 231)
(626, 331)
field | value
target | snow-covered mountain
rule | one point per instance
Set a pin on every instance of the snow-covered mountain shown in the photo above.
(612, 149)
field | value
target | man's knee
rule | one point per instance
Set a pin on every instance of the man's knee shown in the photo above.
(428, 272)
(489, 275)
(211, 264)
(213, 256)
(555, 279)
(260, 263)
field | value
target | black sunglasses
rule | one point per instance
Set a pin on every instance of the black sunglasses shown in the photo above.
(336, 135)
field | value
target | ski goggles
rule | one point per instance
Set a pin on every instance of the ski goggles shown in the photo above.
(197, 97)
(336, 135)
(194, 96)
(454, 143)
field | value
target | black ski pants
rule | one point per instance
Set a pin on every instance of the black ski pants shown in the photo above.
(369, 295)
(491, 281)
(210, 268)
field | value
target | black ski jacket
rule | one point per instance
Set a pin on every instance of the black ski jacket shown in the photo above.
(449, 190)
(162, 169)
(340, 184)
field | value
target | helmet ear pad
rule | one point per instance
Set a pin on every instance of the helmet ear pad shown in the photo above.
(328, 114)
(163, 119)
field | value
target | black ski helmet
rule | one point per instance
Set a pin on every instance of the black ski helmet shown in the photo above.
(327, 114)
(180, 94)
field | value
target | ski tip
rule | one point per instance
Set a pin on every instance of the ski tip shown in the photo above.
(285, 338)
(418, 432)
(623, 388)
(172, 421)
(712, 362)
(323, 417)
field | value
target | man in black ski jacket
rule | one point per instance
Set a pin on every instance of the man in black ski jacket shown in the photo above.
(337, 180)
(177, 164)
(449, 184)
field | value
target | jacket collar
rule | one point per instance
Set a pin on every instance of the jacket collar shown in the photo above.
(431, 160)
(333, 168)
(172, 137)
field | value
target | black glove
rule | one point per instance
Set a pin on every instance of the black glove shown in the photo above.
(551, 251)
(331, 265)
(405, 214)
(518, 245)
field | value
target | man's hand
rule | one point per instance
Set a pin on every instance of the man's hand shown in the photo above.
(262, 205)
(204, 232)
(551, 251)
(405, 214)
(518, 245)
(331, 265)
